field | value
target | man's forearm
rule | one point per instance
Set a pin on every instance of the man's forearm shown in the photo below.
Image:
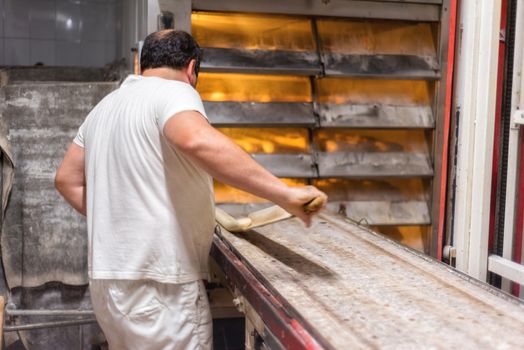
(230, 164)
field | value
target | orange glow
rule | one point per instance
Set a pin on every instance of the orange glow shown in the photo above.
(269, 140)
(373, 37)
(377, 37)
(249, 31)
(374, 190)
(394, 92)
(415, 237)
(228, 194)
(253, 88)
(332, 140)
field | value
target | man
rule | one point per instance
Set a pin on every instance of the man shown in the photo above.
(140, 169)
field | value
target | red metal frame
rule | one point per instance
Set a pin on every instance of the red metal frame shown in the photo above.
(517, 252)
(292, 332)
(447, 120)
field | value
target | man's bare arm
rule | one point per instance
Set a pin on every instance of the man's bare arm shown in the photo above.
(190, 133)
(70, 178)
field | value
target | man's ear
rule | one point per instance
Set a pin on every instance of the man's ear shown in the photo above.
(191, 73)
(191, 66)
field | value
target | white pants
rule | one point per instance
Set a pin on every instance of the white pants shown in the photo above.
(149, 315)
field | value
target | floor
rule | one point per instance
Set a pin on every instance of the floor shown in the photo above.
(228, 334)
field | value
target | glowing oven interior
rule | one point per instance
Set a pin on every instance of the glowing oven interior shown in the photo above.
(370, 141)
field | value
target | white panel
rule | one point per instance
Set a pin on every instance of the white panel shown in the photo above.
(42, 51)
(485, 101)
(506, 268)
(42, 16)
(16, 18)
(476, 97)
(16, 52)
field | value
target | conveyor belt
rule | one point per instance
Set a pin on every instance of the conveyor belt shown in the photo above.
(351, 288)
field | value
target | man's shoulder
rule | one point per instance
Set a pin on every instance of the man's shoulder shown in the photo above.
(179, 85)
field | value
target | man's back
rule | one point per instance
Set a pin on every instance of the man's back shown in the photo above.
(152, 215)
(139, 159)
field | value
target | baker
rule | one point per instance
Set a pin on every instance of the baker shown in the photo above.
(141, 169)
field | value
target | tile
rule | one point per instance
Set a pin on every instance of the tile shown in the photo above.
(114, 21)
(102, 1)
(42, 51)
(42, 19)
(16, 52)
(111, 50)
(16, 18)
(68, 53)
(93, 54)
(94, 17)
(1, 51)
(1, 19)
(68, 20)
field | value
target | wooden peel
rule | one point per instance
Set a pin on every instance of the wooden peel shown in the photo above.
(262, 217)
(230, 223)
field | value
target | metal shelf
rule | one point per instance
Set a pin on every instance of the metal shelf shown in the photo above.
(285, 114)
(381, 66)
(373, 164)
(422, 10)
(288, 165)
(234, 60)
(385, 213)
(257, 114)
(375, 116)
(348, 165)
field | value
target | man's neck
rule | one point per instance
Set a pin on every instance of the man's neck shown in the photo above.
(166, 73)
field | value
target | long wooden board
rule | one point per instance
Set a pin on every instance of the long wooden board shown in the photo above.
(357, 289)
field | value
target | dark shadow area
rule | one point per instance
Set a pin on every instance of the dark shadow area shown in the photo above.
(286, 256)
(228, 333)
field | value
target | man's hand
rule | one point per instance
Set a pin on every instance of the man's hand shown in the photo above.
(298, 197)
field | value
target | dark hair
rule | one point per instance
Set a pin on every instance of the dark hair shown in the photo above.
(170, 48)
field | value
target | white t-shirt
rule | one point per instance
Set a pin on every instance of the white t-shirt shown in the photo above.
(150, 210)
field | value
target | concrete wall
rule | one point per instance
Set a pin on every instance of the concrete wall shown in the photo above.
(44, 242)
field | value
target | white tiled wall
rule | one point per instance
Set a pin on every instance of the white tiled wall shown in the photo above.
(60, 32)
